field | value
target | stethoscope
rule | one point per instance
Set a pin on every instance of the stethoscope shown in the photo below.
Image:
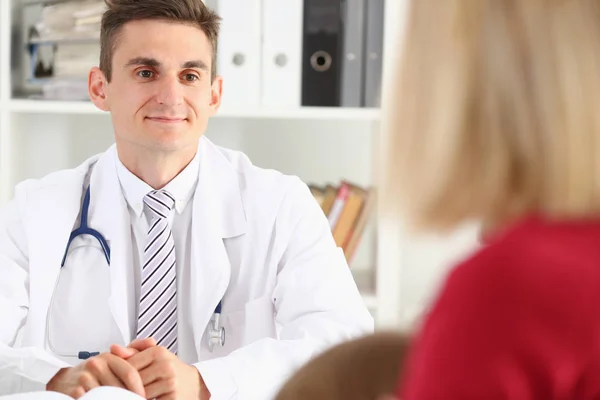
(216, 333)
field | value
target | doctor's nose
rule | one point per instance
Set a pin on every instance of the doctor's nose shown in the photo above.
(170, 91)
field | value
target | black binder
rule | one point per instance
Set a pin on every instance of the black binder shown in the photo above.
(321, 50)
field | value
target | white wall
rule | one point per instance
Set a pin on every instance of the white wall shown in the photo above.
(316, 151)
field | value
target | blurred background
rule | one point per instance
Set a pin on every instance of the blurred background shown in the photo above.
(304, 85)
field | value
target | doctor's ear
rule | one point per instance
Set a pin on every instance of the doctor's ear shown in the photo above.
(216, 91)
(97, 89)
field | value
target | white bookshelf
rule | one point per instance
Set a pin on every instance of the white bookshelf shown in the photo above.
(304, 113)
(320, 145)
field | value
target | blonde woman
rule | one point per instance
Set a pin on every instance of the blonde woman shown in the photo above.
(496, 119)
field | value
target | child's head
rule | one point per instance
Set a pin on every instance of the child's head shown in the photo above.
(364, 368)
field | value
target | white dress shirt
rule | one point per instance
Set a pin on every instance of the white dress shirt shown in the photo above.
(182, 188)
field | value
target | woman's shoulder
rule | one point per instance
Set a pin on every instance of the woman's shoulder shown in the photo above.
(536, 256)
(564, 243)
(518, 316)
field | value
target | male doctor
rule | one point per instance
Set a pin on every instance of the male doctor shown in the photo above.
(198, 274)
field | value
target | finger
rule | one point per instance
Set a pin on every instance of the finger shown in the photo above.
(162, 387)
(78, 392)
(142, 344)
(88, 381)
(154, 372)
(110, 379)
(123, 352)
(127, 374)
(168, 396)
(145, 358)
(99, 369)
(133, 348)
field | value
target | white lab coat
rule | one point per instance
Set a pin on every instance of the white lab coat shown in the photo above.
(260, 242)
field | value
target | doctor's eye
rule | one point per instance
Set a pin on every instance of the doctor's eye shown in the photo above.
(190, 77)
(145, 73)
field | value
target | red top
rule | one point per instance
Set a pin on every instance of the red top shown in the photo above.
(520, 319)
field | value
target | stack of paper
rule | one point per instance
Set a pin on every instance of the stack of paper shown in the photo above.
(70, 31)
(75, 60)
(72, 19)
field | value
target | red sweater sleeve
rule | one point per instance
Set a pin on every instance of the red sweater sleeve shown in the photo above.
(509, 324)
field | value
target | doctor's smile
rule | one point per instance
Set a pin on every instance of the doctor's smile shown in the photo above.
(167, 265)
(166, 120)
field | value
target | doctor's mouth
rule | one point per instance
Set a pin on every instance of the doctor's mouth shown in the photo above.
(167, 120)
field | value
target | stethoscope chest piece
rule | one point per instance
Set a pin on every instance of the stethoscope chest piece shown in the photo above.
(216, 333)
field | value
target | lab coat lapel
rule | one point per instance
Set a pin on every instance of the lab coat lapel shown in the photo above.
(218, 214)
(109, 215)
(59, 208)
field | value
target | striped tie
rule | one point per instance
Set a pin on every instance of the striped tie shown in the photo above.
(158, 296)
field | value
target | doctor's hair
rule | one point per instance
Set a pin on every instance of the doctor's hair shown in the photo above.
(368, 367)
(120, 12)
(493, 114)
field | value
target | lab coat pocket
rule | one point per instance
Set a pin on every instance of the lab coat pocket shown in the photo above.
(79, 317)
(254, 322)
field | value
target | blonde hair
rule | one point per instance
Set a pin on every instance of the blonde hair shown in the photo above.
(495, 112)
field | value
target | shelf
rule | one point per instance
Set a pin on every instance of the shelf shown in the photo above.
(53, 107)
(316, 113)
(338, 113)
(49, 41)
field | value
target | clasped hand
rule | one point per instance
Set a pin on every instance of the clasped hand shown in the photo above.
(144, 368)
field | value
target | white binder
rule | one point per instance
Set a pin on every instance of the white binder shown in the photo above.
(239, 52)
(282, 53)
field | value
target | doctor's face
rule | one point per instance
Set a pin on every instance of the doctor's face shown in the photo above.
(160, 94)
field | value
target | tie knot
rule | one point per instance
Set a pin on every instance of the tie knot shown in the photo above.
(160, 203)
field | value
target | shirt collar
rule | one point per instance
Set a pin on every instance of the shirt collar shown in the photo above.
(182, 187)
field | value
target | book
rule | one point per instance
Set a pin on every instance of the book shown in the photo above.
(348, 208)
(349, 214)
(338, 205)
(330, 194)
(353, 239)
